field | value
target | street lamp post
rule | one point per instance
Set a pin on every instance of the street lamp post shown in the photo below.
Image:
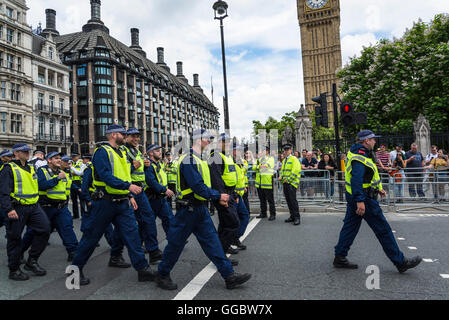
(221, 12)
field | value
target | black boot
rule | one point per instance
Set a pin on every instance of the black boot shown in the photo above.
(240, 246)
(232, 250)
(289, 220)
(236, 279)
(34, 267)
(18, 275)
(155, 256)
(165, 282)
(409, 264)
(272, 218)
(118, 262)
(146, 274)
(297, 221)
(261, 216)
(342, 262)
(84, 281)
(22, 259)
(70, 256)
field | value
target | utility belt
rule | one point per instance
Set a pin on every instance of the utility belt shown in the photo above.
(54, 204)
(190, 203)
(16, 204)
(371, 193)
(100, 195)
(153, 196)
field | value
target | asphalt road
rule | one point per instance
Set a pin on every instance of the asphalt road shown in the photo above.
(286, 262)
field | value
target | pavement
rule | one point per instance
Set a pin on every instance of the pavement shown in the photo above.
(286, 262)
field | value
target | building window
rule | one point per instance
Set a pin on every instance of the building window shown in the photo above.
(50, 53)
(18, 16)
(41, 127)
(19, 64)
(52, 128)
(17, 92)
(3, 88)
(1, 32)
(81, 70)
(9, 12)
(103, 109)
(9, 35)
(61, 106)
(102, 53)
(3, 116)
(52, 103)
(62, 129)
(40, 101)
(19, 38)
(103, 70)
(41, 76)
(1, 59)
(16, 123)
(10, 61)
(103, 90)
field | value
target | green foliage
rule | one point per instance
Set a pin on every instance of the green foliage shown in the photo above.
(394, 81)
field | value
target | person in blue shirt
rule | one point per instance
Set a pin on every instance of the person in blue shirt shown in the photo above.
(5, 157)
(193, 217)
(115, 204)
(362, 186)
(112, 236)
(49, 177)
(158, 190)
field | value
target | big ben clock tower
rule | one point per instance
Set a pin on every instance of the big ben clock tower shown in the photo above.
(319, 21)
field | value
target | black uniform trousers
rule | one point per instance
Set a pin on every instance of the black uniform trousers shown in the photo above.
(290, 197)
(246, 201)
(228, 223)
(74, 195)
(266, 195)
(35, 218)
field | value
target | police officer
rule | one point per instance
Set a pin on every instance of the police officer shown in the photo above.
(170, 170)
(224, 178)
(290, 176)
(5, 157)
(112, 176)
(156, 180)
(240, 189)
(264, 183)
(245, 168)
(192, 217)
(145, 214)
(112, 236)
(363, 185)
(86, 163)
(19, 195)
(77, 171)
(53, 199)
(38, 160)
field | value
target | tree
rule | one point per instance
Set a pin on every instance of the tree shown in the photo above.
(396, 80)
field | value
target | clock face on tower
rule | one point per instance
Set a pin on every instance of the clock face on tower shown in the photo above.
(316, 4)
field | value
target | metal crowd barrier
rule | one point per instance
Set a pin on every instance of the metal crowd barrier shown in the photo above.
(407, 190)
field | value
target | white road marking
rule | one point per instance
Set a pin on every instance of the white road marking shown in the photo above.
(193, 287)
(427, 260)
(394, 231)
(412, 248)
(445, 276)
(401, 238)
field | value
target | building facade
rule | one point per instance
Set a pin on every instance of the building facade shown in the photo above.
(16, 85)
(111, 82)
(51, 94)
(319, 22)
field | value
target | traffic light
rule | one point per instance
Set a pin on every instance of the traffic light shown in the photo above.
(321, 111)
(349, 117)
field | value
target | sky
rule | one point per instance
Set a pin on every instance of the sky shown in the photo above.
(262, 37)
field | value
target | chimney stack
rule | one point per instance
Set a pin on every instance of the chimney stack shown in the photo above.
(179, 69)
(134, 37)
(95, 10)
(160, 55)
(196, 82)
(51, 23)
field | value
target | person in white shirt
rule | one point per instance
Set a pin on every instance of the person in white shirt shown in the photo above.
(433, 154)
(38, 160)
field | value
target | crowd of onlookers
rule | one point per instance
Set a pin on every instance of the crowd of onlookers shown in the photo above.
(400, 171)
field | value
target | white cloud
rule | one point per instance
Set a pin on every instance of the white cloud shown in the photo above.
(352, 44)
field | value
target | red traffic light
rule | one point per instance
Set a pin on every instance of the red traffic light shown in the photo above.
(346, 108)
